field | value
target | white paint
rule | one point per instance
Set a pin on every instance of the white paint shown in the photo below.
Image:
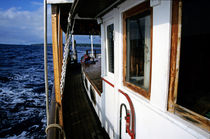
(161, 54)
(103, 66)
(59, 1)
(152, 119)
(98, 107)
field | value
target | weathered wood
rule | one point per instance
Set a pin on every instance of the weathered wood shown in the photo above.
(132, 12)
(185, 113)
(174, 38)
(192, 117)
(56, 60)
(60, 49)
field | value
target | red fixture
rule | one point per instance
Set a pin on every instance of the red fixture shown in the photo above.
(107, 82)
(129, 117)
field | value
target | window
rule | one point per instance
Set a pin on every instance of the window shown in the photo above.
(137, 48)
(189, 95)
(110, 47)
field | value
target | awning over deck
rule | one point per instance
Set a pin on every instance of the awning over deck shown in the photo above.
(85, 14)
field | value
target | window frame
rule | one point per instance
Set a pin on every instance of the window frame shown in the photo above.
(174, 108)
(108, 73)
(142, 7)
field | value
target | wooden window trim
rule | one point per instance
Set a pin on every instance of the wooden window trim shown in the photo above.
(145, 6)
(182, 112)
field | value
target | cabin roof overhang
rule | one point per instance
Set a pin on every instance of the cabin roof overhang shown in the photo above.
(85, 14)
(59, 1)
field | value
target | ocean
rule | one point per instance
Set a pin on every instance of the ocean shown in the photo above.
(22, 90)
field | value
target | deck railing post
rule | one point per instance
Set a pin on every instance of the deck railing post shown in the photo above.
(56, 60)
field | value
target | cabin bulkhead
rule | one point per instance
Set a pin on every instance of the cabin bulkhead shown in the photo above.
(155, 61)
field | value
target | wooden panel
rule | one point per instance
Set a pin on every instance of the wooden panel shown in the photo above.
(174, 38)
(192, 117)
(60, 50)
(56, 60)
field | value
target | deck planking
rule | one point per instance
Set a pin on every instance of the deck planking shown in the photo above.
(80, 120)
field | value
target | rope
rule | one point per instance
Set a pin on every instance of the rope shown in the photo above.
(66, 53)
(56, 126)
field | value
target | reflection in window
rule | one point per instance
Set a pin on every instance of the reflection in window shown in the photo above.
(110, 43)
(138, 50)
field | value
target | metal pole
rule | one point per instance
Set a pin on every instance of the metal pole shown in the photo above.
(45, 60)
(73, 47)
(91, 37)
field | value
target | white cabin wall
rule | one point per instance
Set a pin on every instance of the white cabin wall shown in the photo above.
(111, 97)
(161, 54)
(118, 58)
(103, 66)
(152, 118)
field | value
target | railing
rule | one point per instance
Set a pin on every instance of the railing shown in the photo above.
(89, 56)
(53, 133)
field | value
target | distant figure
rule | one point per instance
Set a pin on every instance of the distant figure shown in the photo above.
(86, 58)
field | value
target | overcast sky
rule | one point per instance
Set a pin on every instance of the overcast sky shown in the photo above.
(21, 22)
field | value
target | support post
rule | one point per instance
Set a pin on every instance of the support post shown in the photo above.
(45, 60)
(91, 37)
(60, 46)
(56, 61)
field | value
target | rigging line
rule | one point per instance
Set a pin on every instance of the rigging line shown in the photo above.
(45, 61)
(66, 53)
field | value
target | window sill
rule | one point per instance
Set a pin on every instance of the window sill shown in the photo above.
(192, 129)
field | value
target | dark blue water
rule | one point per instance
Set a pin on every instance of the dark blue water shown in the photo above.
(22, 90)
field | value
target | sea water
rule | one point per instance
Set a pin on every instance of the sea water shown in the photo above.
(22, 90)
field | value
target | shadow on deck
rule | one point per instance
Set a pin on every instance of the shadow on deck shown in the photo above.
(80, 120)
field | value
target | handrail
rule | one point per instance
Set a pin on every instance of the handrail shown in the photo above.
(121, 106)
(131, 131)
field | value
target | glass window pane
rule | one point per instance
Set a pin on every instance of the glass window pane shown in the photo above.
(138, 50)
(110, 43)
(194, 70)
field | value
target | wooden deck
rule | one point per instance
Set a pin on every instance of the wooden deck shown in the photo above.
(80, 120)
